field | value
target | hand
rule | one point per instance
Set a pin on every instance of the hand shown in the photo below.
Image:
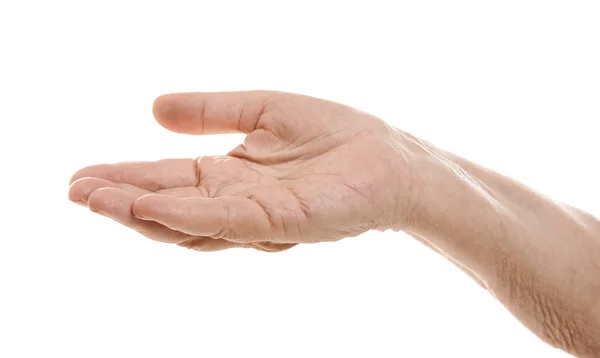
(309, 170)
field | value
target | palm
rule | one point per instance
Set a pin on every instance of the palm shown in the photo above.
(305, 173)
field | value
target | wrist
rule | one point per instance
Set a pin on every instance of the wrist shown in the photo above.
(452, 206)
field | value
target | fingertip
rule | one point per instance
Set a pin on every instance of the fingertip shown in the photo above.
(108, 200)
(175, 111)
(74, 194)
(161, 107)
(76, 176)
(145, 206)
(96, 199)
(89, 172)
(77, 192)
(81, 188)
(138, 208)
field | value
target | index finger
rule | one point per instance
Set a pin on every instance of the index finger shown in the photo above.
(153, 176)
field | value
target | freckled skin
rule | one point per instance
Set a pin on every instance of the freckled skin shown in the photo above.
(311, 170)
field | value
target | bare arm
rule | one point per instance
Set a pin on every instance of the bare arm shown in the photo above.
(540, 258)
(311, 170)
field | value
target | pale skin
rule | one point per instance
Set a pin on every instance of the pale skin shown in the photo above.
(311, 170)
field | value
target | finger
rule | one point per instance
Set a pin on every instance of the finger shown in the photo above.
(116, 204)
(162, 174)
(211, 112)
(82, 188)
(236, 219)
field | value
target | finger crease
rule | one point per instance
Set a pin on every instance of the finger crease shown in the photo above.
(197, 170)
(202, 117)
(264, 209)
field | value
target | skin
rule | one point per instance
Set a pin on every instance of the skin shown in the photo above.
(311, 170)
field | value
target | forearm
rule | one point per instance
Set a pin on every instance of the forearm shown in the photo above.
(541, 259)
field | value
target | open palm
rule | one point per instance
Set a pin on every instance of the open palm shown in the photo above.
(309, 170)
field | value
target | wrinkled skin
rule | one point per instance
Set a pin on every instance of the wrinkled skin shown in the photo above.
(309, 170)
(312, 170)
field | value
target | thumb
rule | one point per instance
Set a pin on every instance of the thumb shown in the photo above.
(211, 112)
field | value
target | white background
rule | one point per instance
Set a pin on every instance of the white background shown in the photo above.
(513, 85)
